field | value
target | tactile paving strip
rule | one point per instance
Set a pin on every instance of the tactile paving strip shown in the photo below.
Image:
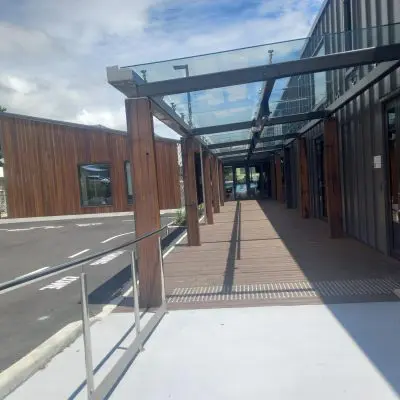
(284, 290)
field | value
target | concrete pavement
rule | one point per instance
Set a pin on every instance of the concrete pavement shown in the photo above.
(33, 313)
(346, 351)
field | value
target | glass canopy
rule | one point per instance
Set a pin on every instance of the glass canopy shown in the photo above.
(223, 111)
(267, 53)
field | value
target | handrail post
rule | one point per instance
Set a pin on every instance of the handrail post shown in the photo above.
(164, 301)
(135, 295)
(86, 337)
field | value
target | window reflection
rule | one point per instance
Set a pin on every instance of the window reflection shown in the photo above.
(95, 184)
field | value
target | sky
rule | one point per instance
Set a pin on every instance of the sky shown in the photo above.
(54, 54)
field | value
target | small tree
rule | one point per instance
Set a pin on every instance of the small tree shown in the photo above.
(3, 109)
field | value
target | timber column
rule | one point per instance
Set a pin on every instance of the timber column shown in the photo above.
(208, 188)
(141, 144)
(304, 183)
(278, 171)
(332, 178)
(221, 183)
(215, 183)
(189, 183)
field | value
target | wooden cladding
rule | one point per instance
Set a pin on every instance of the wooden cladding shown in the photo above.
(304, 182)
(168, 175)
(332, 178)
(41, 167)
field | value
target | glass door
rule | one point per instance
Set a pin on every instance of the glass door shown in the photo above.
(392, 115)
(240, 183)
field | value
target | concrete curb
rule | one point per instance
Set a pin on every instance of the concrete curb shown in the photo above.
(38, 358)
(77, 216)
(23, 369)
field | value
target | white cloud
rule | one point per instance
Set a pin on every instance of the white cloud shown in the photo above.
(53, 61)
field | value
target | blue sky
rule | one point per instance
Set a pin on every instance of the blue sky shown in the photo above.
(53, 61)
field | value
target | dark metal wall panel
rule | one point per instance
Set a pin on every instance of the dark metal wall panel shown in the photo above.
(361, 130)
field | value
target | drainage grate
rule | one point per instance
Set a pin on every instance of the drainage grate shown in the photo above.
(284, 290)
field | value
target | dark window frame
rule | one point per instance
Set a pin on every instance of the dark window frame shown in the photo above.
(82, 164)
(132, 200)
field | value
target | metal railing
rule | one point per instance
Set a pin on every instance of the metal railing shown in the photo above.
(107, 384)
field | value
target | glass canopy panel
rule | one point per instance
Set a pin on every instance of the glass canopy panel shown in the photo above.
(261, 146)
(238, 155)
(240, 148)
(267, 53)
(217, 106)
(221, 61)
(226, 137)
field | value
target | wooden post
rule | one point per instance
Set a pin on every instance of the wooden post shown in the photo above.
(207, 188)
(304, 183)
(332, 179)
(278, 171)
(273, 179)
(288, 178)
(141, 143)
(221, 183)
(189, 182)
(215, 184)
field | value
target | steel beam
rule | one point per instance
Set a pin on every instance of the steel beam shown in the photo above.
(226, 153)
(263, 73)
(126, 81)
(242, 153)
(236, 126)
(228, 144)
(278, 137)
(285, 119)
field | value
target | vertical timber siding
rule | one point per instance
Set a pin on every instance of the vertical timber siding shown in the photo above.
(41, 167)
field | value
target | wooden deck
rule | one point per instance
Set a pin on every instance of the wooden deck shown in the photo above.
(259, 253)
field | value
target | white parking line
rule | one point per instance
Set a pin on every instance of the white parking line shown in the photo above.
(34, 272)
(79, 253)
(90, 224)
(108, 257)
(117, 236)
(61, 283)
(32, 228)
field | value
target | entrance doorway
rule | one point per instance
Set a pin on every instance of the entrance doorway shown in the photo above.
(249, 182)
(392, 119)
(240, 183)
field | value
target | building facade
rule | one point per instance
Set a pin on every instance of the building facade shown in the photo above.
(366, 126)
(58, 168)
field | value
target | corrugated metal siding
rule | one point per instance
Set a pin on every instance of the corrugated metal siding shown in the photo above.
(361, 129)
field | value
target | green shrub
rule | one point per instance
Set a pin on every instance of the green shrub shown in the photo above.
(180, 218)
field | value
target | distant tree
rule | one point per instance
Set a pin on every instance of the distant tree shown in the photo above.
(3, 109)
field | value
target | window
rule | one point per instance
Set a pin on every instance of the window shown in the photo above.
(128, 180)
(95, 184)
(320, 82)
(348, 24)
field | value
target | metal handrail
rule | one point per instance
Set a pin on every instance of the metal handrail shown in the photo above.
(14, 283)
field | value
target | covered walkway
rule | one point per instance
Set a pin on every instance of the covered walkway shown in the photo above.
(258, 252)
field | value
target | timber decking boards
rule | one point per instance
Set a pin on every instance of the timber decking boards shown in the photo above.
(269, 244)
